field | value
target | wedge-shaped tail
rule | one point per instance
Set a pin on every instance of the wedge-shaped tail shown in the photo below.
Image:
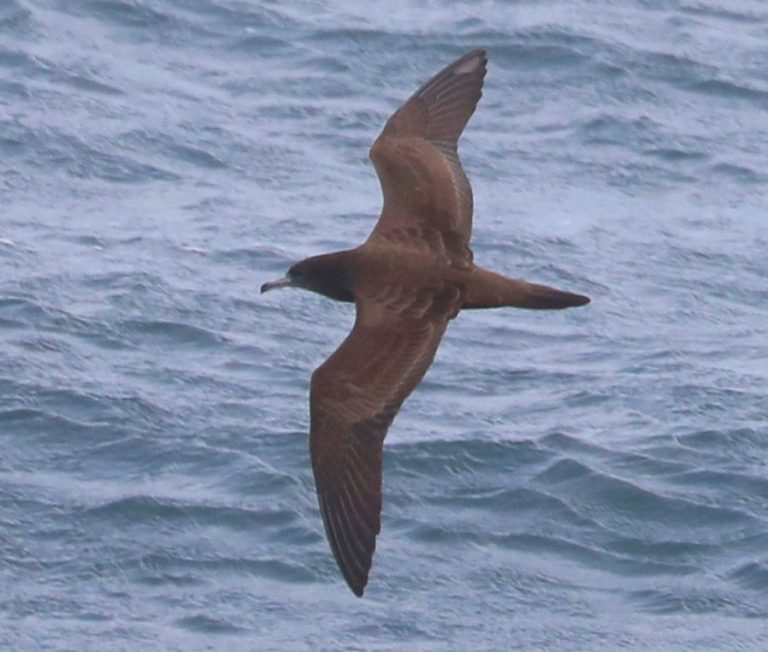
(490, 290)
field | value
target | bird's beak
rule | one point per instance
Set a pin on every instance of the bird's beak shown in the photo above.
(284, 282)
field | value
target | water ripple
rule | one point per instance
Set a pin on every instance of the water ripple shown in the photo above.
(560, 480)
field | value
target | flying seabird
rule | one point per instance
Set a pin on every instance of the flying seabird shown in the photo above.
(411, 277)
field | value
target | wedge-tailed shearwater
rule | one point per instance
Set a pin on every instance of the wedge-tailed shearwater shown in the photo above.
(411, 276)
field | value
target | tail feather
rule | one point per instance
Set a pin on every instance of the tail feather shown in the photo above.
(489, 290)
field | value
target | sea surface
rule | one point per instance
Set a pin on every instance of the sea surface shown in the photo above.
(590, 479)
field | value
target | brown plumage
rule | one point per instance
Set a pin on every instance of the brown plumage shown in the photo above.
(411, 276)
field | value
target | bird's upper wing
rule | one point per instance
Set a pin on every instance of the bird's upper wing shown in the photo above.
(427, 196)
(354, 397)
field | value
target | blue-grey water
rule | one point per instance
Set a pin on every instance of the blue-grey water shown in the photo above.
(588, 479)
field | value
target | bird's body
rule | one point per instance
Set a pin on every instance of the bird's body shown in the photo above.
(413, 274)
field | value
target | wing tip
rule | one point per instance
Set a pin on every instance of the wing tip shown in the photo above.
(356, 583)
(359, 588)
(344, 554)
(470, 62)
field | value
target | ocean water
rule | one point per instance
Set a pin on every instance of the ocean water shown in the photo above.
(588, 479)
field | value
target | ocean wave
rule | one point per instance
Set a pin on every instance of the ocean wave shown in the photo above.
(560, 479)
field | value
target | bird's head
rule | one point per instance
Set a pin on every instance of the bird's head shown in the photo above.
(298, 276)
(326, 274)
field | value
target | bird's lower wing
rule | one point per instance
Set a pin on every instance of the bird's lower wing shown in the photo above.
(354, 397)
